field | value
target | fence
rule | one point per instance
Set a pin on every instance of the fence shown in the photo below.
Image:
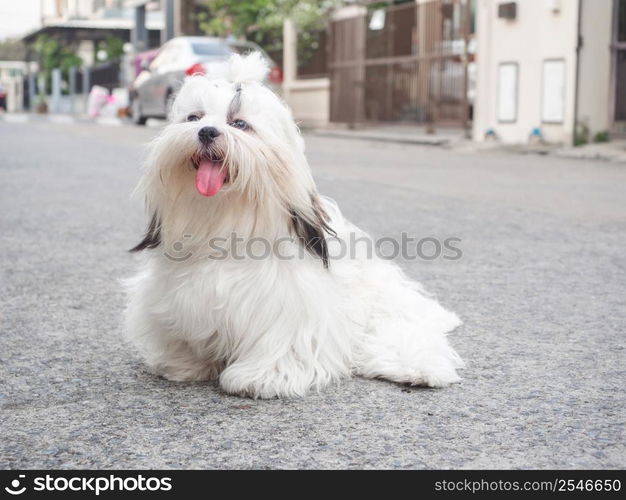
(405, 63)
(69, 91)
(106, 75)
(312, 48)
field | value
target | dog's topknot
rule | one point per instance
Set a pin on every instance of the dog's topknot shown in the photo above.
(249, 68)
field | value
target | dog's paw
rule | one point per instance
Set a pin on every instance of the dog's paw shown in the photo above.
(432, 370)
(436, 375)
(188, 373)
(265, 385)
(440, 376)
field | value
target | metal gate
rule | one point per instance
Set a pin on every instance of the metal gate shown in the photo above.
(106, 75)
(404, 63)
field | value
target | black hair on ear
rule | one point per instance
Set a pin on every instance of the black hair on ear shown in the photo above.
(152, 239)
(311, 233)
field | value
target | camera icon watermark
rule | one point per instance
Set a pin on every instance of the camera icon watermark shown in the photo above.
(14, 488)
(178, 253)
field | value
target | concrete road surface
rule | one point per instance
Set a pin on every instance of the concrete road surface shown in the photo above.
(541, 288)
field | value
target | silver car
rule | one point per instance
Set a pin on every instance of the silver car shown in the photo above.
(151, 91)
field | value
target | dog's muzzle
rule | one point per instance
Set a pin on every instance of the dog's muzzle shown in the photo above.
(211, 173)
(207, 135)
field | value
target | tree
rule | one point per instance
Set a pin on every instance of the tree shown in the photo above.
(261, 21)
(113, 47)
(53, 55)
(12, 50)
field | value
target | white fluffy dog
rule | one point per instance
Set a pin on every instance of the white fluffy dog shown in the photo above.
(231, 163)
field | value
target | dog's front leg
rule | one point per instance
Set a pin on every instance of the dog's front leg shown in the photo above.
(179, 362)
(284, 369)
(297, 342)
(257, 378)
(165, 353)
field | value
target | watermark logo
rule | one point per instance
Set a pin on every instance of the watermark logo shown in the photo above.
(14, 488)
(351, 246)
(178, 252)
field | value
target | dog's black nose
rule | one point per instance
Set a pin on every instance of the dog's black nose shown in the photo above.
(208, 134)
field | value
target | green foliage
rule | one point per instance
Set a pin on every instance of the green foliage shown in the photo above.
(581, 136)
(41, 103)
(52, 54)
(247, 19)
(12, 50)
(261, 21)
(602, 136)
(113, 46)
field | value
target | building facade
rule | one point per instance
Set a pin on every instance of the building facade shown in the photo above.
(83, 25)
(549, 69)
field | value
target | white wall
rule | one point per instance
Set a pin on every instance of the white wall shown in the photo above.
(536, 34)
(309, 99)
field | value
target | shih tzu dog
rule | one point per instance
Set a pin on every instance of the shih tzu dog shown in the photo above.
(230, 166)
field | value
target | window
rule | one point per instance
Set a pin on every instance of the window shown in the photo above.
(210, 49)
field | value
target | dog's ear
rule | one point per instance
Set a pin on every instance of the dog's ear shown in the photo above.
(311, 229)
(152, 239)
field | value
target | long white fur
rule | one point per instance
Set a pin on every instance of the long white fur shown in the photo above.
(270, 327)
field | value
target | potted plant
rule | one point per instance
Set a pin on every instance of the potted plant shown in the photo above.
(41, 105)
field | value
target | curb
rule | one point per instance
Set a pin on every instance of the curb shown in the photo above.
(373, 136)
(606, 154)
(453, 142)
(59, 119)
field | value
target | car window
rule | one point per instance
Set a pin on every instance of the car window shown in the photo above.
(245, 48)
(242, 49)
(210, 49)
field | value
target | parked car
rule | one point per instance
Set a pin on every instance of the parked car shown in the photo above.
(151, 92)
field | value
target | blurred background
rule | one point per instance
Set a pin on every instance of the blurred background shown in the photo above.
(531, 71)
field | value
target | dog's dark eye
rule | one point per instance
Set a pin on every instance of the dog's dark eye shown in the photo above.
(240, 124)
(193, 117)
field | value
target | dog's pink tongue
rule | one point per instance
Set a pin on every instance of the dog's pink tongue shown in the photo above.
(209, 177)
